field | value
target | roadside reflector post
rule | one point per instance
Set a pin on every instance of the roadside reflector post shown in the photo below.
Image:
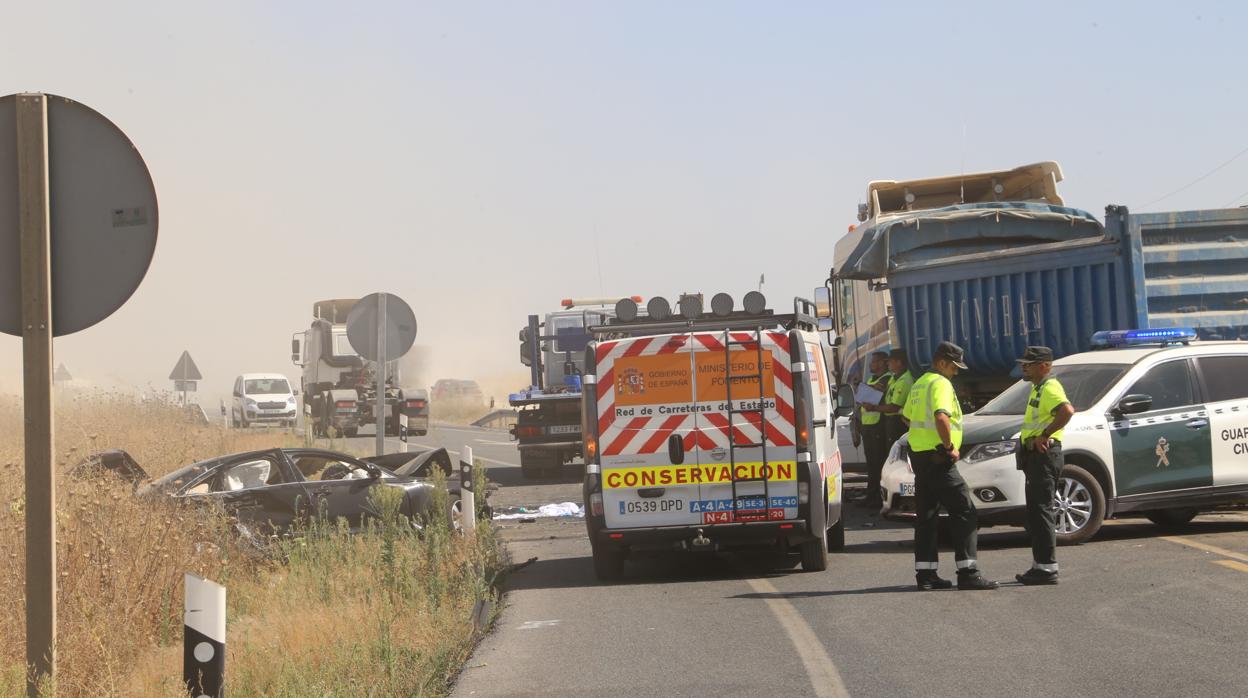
(467, 498)
(380, 418)
(203, 649)
(34, 222)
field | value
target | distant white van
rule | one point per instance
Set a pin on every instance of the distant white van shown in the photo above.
(262, 398)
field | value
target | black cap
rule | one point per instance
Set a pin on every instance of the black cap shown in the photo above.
(881, 354)
(899, 354)
(1036, 355)
(950, 351)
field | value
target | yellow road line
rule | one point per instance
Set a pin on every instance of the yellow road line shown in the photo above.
(1233, 565)
(824, 677)
(1207, 548)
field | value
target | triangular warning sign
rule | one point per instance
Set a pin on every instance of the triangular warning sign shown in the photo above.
(61, 375)
(185, 370)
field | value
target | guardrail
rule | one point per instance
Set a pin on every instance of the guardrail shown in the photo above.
(498, 419)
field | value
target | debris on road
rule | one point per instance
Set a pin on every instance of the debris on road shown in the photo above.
(569, 509)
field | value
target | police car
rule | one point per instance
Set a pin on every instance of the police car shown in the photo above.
(1160, 429)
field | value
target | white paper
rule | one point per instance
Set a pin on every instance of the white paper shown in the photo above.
(866, 395)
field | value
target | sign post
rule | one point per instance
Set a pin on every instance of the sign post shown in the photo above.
(184, 375)
(75, 198)
(381, 328)
(34, 217)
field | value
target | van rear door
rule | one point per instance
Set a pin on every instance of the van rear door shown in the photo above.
(746, 448)
(646, 432)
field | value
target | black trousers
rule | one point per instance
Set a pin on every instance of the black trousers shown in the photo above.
(1042, 471)
(893, 429)
(875, 447)
(938, 483)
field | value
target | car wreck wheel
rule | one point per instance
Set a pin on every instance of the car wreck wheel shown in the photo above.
(1080, 505)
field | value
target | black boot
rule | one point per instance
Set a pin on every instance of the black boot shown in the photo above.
(928, 580)
(974, 581)
(1033, 577)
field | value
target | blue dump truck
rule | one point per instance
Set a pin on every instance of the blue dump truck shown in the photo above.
(996, 261)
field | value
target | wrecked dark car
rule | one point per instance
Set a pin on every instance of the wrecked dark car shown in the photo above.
(268, 492)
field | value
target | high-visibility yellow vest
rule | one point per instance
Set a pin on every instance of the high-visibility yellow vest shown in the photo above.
(1041, 406)
(870, 417)
(899, 390)
(930, 394)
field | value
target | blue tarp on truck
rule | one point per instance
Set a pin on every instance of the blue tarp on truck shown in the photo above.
(996, 278)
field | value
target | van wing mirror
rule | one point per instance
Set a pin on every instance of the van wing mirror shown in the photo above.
(1134, 404)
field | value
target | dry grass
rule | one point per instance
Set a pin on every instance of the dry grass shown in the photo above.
(329, 614)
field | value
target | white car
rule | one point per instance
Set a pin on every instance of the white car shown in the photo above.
(262, 398)
(1159, 430)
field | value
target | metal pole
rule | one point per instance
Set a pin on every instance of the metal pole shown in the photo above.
(380, 418)
(35, 225)
(467, 498)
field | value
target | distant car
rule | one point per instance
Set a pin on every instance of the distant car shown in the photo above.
(262, 398)
(270, 491)
(456, 389)
(1160, 431)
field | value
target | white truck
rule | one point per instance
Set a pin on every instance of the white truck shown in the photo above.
(338, 385)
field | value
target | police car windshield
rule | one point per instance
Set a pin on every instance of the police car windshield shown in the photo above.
(1084, 384)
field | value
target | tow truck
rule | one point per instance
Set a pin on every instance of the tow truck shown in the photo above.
(548, 423)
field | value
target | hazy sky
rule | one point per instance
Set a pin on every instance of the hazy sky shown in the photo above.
(484, 161)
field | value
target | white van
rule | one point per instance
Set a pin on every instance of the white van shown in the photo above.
(708, 433)
(262, 398)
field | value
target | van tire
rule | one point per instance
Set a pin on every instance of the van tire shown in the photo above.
(836, 537)
(608, 564)
(815, 553)
(1172, 518)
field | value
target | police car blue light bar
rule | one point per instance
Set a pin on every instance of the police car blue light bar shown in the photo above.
(1130, 338)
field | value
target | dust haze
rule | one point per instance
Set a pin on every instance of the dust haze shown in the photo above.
(483, 165)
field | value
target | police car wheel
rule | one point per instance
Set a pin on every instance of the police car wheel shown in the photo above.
(1172, 518)
(1080, 505)
(608, 564)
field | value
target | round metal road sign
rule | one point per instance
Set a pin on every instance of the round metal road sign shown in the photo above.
(400, 326)
(103, 216)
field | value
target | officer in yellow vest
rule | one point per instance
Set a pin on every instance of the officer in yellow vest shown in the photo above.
(874, 444)
(935, 437)
(895, 398)
(1040, 459)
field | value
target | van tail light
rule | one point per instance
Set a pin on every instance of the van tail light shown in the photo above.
(595, 504)
(802, 407)
(803, 493)
(591, 449)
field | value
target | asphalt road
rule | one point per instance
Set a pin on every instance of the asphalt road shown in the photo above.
(1138, 612)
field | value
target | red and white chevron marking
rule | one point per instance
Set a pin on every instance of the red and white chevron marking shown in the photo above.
(709, 430)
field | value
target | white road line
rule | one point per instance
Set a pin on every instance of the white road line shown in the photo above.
(496, 443)
(824, 677)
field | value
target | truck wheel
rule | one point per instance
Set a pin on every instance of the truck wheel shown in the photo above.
(1172, 518)
(836, 536)
(1080, 505)
(815, 553)
(608, 564)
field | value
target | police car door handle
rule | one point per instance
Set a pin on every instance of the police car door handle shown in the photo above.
(1198, 424)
